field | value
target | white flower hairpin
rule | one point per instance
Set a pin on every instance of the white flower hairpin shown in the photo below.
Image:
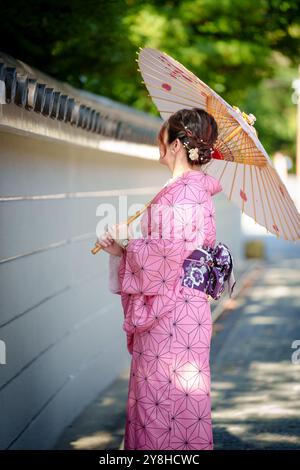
(193, 152)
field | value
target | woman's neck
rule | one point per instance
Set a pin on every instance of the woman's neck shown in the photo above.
(180, 171)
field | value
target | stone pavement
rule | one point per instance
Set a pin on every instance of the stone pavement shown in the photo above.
(255, 386)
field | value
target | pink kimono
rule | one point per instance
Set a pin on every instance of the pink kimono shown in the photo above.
(168, 328)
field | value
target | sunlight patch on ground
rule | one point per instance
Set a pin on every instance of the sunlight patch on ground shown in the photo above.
(96, 441)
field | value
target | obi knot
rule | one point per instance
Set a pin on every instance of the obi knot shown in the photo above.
(208, 269)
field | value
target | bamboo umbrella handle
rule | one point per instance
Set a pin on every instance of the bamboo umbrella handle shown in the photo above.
(129, 220)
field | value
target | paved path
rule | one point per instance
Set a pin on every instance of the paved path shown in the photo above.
(255, 385)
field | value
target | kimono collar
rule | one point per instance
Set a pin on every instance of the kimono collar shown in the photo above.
(208, 182)
(212, 184)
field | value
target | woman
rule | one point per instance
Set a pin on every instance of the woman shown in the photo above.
(168, 324)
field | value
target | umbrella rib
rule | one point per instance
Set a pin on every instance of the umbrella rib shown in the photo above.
(240, 147)
(283, 207)
(277, 205)
(269, 205)
(172, 101)
(228, 148)
(246, 144)
(164, 70)
(261, 198)
(219, 110)
(252, 187)
(244, 170)
(200, 99)
(208, 165)
(232, 183)
(287, 197)
(287, 203)
(166, 111)
(281, 203)
(244, 147)
(235, 146)
(252, 190)
(174, 81)
(223, 171)
(212, 163)
(166, 76)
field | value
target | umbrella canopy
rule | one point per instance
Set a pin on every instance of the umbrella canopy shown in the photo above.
(239, 162)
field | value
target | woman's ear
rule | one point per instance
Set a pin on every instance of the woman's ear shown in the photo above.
(176, 144)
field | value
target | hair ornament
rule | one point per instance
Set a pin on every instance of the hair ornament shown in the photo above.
(193, 153)
(188, 132)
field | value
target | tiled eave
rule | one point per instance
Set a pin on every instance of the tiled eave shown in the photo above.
(36, 103)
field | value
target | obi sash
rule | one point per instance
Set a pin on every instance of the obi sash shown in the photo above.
(208, 269)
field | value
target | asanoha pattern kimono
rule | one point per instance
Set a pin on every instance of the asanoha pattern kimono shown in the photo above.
(168, 328)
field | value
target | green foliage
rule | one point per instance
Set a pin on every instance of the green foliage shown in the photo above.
(246, 51)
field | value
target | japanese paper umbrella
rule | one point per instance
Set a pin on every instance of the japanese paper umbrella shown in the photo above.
(240, 162)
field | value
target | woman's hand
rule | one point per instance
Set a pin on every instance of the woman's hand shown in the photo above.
(108, 243)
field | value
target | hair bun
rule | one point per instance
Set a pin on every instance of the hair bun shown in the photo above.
(204, 153)
(204, 150)
(196, 129)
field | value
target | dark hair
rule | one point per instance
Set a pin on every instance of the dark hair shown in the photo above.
(194, 128)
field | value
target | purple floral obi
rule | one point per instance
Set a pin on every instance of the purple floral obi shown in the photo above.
(208, 269)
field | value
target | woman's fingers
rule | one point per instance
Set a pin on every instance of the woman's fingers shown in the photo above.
(117, 231)
(102, 241)
(109, 237)
(111, 232)
(101, 244)
(106, 239)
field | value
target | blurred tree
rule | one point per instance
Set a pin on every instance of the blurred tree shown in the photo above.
(82, 42)
(246, 51)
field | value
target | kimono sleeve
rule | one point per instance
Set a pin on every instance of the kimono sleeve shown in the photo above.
(151, 264)
(114, 263)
